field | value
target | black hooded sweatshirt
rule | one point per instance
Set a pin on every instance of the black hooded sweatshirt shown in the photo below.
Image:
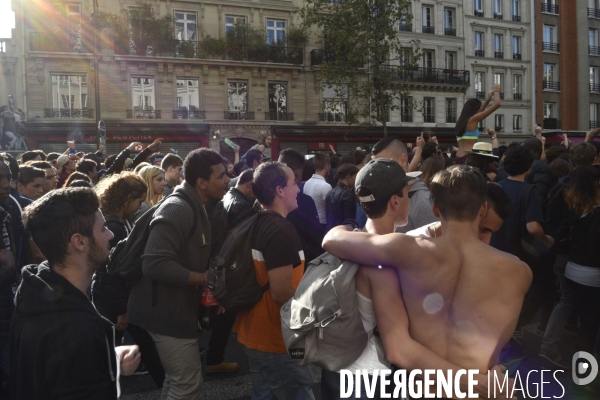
(60, 347)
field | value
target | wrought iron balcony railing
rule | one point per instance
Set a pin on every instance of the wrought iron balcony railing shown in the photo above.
(429, 29)
(428, 118)
(322, 56)
(189, 114)
(480, 95)
(498, 54)
(405, 27)
(499, 128)
(206, 50)
(498, 16)
(143, 114)
(450, 32)
(329, 116)
(68, 113)
(479, 53)
(594, 50)
(593, 12)
(551, 85)
(451, 117)
(481, 128)
(279, 116)
(517, 56)
(516, 18)
(431, 75)
(549, 8)
(550, 46)
(478, 13)
(594, 124)
(517, 96)
(594, 87)
(517, 128)
(551, 123)
(406, 117)
(73, 44)
(238, 115)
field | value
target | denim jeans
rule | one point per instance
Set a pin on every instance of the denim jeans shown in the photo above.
(277, 376)
(562, 311)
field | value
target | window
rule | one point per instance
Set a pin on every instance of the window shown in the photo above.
(142, 93)
(478, 42)
(405, 57)
(448, 19)
(428, 59)
(188, 97)
(498, 43)
(515, 9)
(450, 60)
(499, 122)
(74, 27)
(516, 45)
(276, 32)
(549, 72)
(278, 107)
(517, 122)
(429, 110)
(497, 7)
(335, 103)
(232, 21)
(517, 87)
(69, 91)
(477, 5)
(185, 26)
(594, 114)
(237, 96)
(594, 4)
(481, 125)
(450, 111)
(479, 82)
(593, 35)
(499, 79)
(406, 109)
(549, 110)
(549, 34)
(594, 83)
(426, 16)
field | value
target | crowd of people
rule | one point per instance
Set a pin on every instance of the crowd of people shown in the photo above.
(460, 249)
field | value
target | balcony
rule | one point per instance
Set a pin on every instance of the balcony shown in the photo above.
(429, 118)
(429, 29)
(68, 113)
(278, 116)
(594, 50)
(594, 124)
(594, 87)
(480, 95)
(39, 42)
(406, 117)
(478, 13)
(431, 75)
(516, 18)
(451, 117)
(517, 96)
(550, 46)
(551, 85)
(405, 27)
(593, 12)
(549, 8)
(329, 116)
(479, 53)
(321, 56)
(191, 114)
(238, 115)
(138, 113)
(498, 16)
(498, 54)
(203, 50)
(450, 32)
(551, 123)
(517, 57)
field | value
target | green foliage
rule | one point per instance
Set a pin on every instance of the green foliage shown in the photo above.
(297, 36)
(213, 48)
(361, 53)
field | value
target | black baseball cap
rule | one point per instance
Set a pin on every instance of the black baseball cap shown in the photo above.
(382, 177)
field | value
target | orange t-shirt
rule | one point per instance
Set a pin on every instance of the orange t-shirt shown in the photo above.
(276, 244)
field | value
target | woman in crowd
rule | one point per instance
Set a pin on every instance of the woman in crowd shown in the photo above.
(473, 112)
(120, 197)
(583, 268)
(560, 169)
(155, 180)
(430, 167)
(74, 177)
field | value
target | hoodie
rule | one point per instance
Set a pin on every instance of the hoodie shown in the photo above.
(60, 347)
(421, 211)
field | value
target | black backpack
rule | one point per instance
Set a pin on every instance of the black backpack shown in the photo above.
(126, 256)
(231, 274)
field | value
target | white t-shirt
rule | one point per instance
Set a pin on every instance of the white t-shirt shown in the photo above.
(317, 188)
(422, 231)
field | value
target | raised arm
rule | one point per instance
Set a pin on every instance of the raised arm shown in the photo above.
(417, 157)
(368, 249)
(485, 112)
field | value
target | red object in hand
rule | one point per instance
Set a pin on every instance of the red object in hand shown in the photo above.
(208, 299)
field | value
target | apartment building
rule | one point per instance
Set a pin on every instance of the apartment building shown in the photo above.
(498, 39)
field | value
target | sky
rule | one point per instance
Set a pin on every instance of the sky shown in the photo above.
(7, 19)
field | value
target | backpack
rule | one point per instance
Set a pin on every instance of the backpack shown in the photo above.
(126, 256)
(231, 274)
(322, 324)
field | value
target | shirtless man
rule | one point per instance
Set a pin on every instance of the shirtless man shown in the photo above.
(463, 297)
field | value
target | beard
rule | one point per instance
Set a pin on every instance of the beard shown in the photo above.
(97, 257)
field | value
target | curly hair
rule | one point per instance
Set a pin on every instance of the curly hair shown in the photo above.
(76, 176)
(115, 191)
(148, 174)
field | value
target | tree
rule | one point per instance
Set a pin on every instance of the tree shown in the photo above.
(362, 54)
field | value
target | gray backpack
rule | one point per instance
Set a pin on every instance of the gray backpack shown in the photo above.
(321, 324)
